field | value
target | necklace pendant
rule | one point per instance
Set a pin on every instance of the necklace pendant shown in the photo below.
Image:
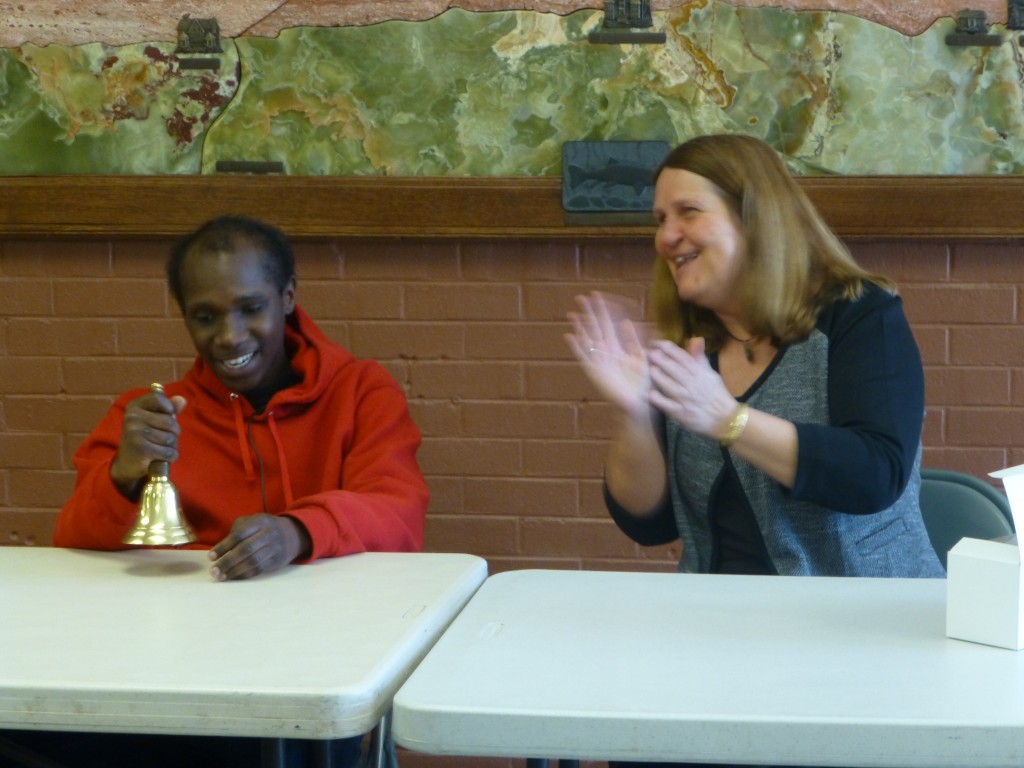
(748, 351)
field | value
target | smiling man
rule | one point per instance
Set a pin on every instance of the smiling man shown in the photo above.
(284, 447)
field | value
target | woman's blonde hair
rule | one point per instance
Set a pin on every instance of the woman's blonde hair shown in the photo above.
(794, 266)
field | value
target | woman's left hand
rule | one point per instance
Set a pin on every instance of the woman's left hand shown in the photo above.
(687, 389)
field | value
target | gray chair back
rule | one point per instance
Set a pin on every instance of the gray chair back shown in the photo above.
(955, 505)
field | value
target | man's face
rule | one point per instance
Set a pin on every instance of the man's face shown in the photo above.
(236, 317)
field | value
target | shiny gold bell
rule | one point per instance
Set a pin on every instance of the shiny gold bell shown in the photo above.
(160, 521)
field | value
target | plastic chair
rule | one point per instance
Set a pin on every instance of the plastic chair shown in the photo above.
(955, 505)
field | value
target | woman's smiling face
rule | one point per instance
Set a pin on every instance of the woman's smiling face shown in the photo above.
(699, 237)
(236, 317)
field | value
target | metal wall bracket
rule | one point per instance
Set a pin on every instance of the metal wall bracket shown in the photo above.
(972, 29)
(629, 22)
(1015, 14)
(198, 36)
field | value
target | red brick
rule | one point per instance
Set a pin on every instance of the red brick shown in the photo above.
(518, 419)
(598, 419)
(336, 331)
(406, 260)
(933, 343)
(112, 376)
(317, 260)
(415, 341)
(30, 375)
(36, 258)
(333, 300)
(452, 456)
(154, 337)
(30, 413)
(55, 336)
(554, 301)
(960, 304)
(510, 262)
(481, 536)
(446, 495)
(26, 527)
(141, 258)
(399, 370)
(585, 537)
(934, 430)
(986, 262)
(26, 297)
(521, 497)
(974, 461)
(468, 380)
(591, 492)
(559, 381)
(463, 301)
(517, 341)
(111, 298)
(33, 450)
(999, 345)
(438, 418)
(40, 487)
(904, 262)
(619, 261)
(984, 427)
(967, 386)
(564, 458)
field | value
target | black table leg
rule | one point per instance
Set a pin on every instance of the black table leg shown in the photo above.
(272, 753)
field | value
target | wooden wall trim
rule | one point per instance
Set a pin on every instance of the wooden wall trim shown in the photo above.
(500, 207)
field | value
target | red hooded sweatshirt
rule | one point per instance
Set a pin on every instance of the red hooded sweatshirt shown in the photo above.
(337, 451)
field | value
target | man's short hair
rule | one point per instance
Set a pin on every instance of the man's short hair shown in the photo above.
(228, 234)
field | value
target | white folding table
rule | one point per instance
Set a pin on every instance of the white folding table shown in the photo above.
(145, 641)
(713, 669)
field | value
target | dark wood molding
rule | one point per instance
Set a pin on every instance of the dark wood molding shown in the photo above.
(501, 207)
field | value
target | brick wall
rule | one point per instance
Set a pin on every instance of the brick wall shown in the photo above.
(513, 437)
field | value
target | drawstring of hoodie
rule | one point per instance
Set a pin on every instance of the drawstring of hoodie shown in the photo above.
(286, 479)
(243, 445)
(246, 451)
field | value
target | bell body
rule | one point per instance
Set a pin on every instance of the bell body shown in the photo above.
(160, 522)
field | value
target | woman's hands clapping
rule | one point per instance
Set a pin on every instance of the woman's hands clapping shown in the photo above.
(687, 389)
(611, 350)
(678, 381)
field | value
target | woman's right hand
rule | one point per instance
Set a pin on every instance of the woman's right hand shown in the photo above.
(611, 350)
(149, 433)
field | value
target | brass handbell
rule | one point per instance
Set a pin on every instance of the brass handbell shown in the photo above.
(160, 521)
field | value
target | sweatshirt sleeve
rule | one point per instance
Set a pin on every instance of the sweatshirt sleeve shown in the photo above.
(97, 516)
(862, 461)
(382, 503)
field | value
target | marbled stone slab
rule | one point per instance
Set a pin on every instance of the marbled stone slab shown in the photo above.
(102, 109)
(480, 94)
(114, 22)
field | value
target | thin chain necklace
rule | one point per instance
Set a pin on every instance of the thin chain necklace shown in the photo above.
(748, 348)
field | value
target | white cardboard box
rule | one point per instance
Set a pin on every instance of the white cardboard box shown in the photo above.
(985, 581)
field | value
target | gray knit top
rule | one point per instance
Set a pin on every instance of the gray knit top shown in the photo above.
(855, 391)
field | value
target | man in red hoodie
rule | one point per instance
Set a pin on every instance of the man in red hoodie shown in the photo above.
(284, 448)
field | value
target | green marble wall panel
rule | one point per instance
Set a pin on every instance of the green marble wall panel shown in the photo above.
(479, 94)
(97, 109)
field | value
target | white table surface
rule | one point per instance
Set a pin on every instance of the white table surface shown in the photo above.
(146, 641)
(759, 670)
